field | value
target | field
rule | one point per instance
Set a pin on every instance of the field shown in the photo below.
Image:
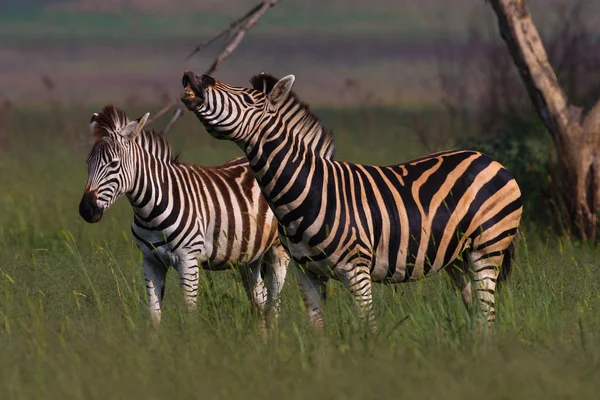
(73, 318)
(73, 322)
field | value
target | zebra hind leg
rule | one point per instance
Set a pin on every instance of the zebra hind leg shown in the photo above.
(275, 265)
(461, 276)
(314, 294)
(255, 289)
(357, 279)
(485, 269)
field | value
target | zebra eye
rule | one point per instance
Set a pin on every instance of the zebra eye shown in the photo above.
(248, 99)
(113, 164)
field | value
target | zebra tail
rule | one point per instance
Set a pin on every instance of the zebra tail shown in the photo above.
(510, 257)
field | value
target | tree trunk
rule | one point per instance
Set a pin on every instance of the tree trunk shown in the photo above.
(576, 135)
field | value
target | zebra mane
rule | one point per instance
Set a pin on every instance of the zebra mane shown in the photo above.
(108, 122)
(111, 120)
(309, 123)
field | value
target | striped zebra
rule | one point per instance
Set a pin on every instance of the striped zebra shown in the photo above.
(185, 216)
(363, 223)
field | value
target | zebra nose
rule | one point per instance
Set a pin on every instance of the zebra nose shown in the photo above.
(88, 207)
(192, 79)
(194, 89)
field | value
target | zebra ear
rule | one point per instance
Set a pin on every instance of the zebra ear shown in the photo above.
(280, 92)
(93, 122)
(134, 128)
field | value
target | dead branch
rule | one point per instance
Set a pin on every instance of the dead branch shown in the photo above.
(224, 32)
(162, 112)
(178, 112)
(249, 20)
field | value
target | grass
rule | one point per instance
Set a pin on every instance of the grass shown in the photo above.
(73, 320)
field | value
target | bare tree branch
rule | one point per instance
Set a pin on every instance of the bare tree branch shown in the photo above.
(162, 112)
(224, 32)
(249, 20)
(178, 112)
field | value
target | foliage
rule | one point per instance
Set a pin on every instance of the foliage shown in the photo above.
(522, 145)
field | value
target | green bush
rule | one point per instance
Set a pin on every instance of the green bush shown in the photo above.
(524, 147)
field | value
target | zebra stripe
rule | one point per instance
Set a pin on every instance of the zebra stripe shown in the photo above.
(363, 223)
(185, 215)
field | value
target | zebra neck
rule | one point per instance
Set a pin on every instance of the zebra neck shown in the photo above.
(153, 186)
(283, 166)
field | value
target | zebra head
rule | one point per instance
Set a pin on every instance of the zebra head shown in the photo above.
(109, 163)
(232, 113)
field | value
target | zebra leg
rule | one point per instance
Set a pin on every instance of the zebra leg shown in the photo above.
(188, 280)
(357, 279)
(460, 276)
(314, 294)
(486, 268)
(255, 289)
(154, 275)
(276, 263)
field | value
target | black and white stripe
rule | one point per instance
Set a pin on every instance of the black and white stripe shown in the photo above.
(185, 215)
(363, 223)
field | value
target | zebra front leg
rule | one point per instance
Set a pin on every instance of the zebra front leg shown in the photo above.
(357, 279)
(276, 265)
(314, 294)
(188, 281)
(486, 268)
(154, 275)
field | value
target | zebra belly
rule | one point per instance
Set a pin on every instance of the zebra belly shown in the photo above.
(165, 254)
(161, 253)
(409, 266)
(154, 244)
(382, 271)
(218, 255)
(226, 253)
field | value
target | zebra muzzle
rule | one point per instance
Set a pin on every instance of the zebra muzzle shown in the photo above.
(88, 207)
(193, 94)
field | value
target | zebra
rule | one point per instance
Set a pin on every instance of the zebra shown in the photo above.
(458, 210)
(186, 216)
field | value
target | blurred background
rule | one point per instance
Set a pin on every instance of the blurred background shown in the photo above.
(133, 50)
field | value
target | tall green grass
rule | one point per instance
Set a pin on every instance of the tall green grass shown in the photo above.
(73, 320)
